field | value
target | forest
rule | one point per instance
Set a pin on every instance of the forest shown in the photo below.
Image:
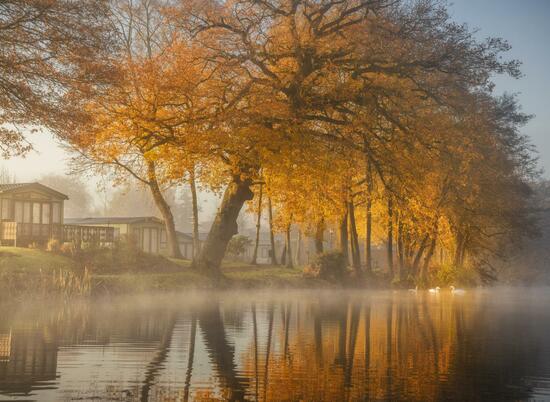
(375, 120)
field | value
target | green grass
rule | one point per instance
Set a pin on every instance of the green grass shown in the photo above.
(21, 266)
(15, 259)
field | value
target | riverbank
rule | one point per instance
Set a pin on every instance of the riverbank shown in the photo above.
(39, 272)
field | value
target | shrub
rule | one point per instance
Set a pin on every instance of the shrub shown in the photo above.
(237, 246)
(448, 274)
(330, 266)
(68, 249)
(53, 246)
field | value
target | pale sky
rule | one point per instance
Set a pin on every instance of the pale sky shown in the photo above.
(525, 24)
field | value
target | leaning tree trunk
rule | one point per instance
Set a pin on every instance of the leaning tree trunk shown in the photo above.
(165, 211)
(319, 236)
(258, 226)
(194, 200)
(225, 225)
(355, 255)
(390, 237)
(271, 235)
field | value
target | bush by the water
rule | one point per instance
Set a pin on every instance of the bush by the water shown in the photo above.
(330, 266)
(448, 274)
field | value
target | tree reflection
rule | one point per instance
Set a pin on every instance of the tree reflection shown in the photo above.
(221, 353)
(413, 348)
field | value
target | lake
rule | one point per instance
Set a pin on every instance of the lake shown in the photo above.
(485, 345)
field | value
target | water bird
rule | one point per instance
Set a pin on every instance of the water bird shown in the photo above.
(415, 290)
(434, 290)
(456, 291)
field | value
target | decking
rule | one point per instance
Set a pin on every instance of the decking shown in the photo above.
(24, 234)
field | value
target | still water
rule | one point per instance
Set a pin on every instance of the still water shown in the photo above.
(487, 345)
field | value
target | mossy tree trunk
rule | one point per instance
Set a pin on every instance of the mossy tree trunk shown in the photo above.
(225, 225)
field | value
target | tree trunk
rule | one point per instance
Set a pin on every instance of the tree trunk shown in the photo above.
(400, 253)
(390, 236)
(344, 244)
(460, 250)
(165, 211)
(368, 233)
(419, 254)
(425, 266)
(194, 200)
(258, 226)
(288, 247)
(319, 236)
(298, 248)
(225, 225)
(283, 254)
(271, 235)
(355, 254)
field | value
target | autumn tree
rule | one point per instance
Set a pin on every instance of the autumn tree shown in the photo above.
(48, 47)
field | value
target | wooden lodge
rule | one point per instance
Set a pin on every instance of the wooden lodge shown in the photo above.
(33, 213)
(148, 233)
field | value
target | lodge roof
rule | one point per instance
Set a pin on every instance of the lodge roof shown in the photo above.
(106, 220)
(7, 188)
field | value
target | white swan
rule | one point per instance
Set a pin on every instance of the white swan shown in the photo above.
(456, 291)
(415, 290)
(434, 290)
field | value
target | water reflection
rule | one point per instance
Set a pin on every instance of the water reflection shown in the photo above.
(315, 346)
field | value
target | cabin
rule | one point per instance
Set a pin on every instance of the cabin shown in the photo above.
(30, 212)
(147, 232)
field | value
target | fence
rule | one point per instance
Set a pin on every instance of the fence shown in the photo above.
(26, 233)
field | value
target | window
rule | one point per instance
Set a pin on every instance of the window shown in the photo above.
(56, 212)
(135, 237)
(147, 240)
(45, 213)
(154, 241)
(19, 211)
(5, 209)
(35, 212)
(27, 217)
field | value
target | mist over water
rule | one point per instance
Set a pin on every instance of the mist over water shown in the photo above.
(489, 344)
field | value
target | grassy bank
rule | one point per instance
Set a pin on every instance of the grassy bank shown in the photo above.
(110, 272)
